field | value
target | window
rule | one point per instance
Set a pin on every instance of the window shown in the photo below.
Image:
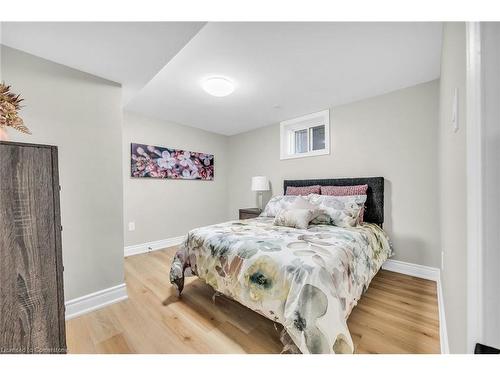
(305, 136)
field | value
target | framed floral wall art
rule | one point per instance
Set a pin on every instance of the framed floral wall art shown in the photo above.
(163, 162)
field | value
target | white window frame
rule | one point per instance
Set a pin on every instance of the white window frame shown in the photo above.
(288, 127)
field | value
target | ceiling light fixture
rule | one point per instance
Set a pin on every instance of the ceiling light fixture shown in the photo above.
(218, 86)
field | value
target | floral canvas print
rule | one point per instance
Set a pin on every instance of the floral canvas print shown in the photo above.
(162, 162)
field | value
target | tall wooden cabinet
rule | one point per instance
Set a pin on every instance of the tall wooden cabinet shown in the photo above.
(31, 271)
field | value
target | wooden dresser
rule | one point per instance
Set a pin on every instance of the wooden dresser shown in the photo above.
(31, 270)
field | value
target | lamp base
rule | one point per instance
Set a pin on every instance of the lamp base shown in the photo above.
(259, 200)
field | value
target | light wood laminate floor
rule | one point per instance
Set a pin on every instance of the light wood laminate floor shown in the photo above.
(398, 314)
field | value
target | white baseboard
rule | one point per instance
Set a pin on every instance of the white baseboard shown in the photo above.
(411, 269)
(95, 301)
(443, 331)
(152, 246)
(428, 273)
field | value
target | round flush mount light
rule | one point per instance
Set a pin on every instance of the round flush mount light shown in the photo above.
(218, 86)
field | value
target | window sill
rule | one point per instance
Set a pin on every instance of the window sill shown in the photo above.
(305, 154)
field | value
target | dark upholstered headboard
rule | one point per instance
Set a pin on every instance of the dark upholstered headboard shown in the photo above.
(374, 212)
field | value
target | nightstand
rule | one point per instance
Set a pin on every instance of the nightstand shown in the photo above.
(249, 213)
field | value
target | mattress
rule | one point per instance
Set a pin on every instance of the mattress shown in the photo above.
(308, 280)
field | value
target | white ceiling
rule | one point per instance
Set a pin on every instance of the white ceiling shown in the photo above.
(301, 67)
(282, 70)
(130, 53)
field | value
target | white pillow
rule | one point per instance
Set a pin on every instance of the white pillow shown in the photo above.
(295, 217)
(285, 202)
(302, 202)
(278, 203)
(342, 211)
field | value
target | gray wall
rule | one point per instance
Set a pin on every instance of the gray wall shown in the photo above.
(393, 135)
(452, 181)
(491, 209)
(169, 208)
(81, 114)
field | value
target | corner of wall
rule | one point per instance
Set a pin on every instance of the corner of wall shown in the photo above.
(452, 184)
(89, 162)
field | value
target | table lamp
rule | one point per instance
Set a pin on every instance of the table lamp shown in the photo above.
(260, 184)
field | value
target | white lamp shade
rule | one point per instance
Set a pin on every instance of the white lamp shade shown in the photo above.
(260, 183)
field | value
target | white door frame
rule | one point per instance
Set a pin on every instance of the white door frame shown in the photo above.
(474, 149)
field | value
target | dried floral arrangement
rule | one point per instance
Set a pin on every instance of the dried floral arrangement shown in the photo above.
(9, 107)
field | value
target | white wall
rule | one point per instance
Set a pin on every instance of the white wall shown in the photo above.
(452, 181)
(393, 135)
(490, 32)
(163, 208)
(81, 114)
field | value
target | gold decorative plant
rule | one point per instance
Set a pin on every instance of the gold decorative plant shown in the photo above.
(9, 108)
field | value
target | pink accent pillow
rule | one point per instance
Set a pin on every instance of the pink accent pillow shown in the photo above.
(302, 190)
(346, 190)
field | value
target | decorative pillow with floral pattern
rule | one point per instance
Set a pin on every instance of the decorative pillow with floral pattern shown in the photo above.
(295, 218)
(341, 211)
(346, 190)
(286, 202)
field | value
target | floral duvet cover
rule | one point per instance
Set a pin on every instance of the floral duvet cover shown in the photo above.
(308, 280)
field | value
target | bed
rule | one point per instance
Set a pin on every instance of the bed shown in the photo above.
(307, 280)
